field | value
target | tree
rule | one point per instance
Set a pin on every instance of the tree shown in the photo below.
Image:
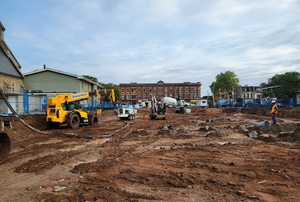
(263, 84)
(224, 81)
(267, 93)
(111, 86)
(289, 84)
(91, 78)
(105, 86)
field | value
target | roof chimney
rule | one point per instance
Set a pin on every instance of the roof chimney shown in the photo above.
(2, 29)
(44, 66)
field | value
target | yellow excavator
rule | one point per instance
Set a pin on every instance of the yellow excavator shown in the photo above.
(66, 109)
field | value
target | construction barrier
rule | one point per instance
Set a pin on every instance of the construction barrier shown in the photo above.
(289, 102)
(28, 103)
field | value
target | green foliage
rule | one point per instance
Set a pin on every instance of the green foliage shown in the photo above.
(289, 83)
(224, 81)
(105, 86)
(111, 86)
(210, 101)
(91, 78)
(267, 93)
(263, 84)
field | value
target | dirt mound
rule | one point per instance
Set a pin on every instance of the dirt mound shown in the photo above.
(140, 135)
(277, 128)
(230, 109)
(283, 112)
(40, 165)
(213, 111)
(196, 109)
(108, 113)
(293, 137)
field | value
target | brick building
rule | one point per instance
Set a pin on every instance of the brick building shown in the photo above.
(11, 77)
(187, 91)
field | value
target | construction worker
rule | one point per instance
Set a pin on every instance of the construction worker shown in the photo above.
(274, 111)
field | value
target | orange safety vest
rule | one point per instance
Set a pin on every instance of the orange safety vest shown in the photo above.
(274, 110)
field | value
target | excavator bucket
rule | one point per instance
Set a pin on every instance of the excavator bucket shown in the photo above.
(4, 147)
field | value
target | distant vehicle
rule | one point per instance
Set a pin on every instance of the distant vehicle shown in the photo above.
(126, 113)
(202, 103)
(169, 102)
(199, 103)
(172, 102)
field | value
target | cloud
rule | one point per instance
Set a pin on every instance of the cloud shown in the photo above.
(145, 41)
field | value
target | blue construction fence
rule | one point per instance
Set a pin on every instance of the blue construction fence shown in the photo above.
(289, 102)
(29, 103)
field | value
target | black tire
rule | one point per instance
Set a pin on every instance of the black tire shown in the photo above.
(54, 125)
(4, 147)
(93, 120)
(73, 121)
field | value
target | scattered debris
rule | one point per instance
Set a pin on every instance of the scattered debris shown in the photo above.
(58, 188)
(264, 123)
(253, 134)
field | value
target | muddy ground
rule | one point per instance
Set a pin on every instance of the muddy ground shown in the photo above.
(205, 155)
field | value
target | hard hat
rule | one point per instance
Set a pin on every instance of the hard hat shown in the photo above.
(273, 101)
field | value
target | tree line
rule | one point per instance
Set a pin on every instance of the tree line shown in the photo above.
(288, 84)
(105, 86)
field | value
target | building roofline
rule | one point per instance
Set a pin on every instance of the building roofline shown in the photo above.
(184, 83)
(270, 87)
(64, 73)
(9, 55)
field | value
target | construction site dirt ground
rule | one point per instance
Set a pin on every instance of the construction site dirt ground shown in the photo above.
(205, 155)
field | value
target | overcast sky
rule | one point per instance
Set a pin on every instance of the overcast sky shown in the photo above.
(123, 41)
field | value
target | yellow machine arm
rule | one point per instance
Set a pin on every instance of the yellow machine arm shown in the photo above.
(111, 94)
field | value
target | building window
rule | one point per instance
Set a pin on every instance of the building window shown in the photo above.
(181, 89)
(133, 97)
(187, 89)
(154, 89)
(144, 89)
(127, 97)
(139, 96)
(13, 86)
(139, 89)
(144, 96)
(133, 90)
(150, 90)
(127, 90)
(187, 96)
(123, 90)
(192, 89)
(160, 96)
(170, 89)
(166, 95)
(166, 89)
(195, 96)
(195, 88)
(123, 97)
(160, 89)
(176, 89)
